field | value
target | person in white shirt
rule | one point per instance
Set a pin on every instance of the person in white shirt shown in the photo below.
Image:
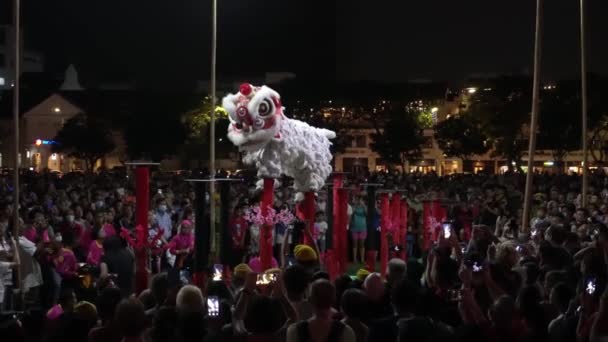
(29, 268)
(163, 218)
(8, 261)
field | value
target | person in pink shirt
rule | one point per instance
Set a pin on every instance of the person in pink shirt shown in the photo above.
(182, 244)
(65, 260)
(96, 249)
(38, 231)
(109, 229)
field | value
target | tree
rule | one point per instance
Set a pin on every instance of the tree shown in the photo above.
(400, 139)
(503, 113)
(196, 123)
(461, 138)
(425, 119)
(84, 137)
(559, 126)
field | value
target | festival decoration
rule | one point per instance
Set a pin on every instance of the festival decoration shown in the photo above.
(278, 146)
(272, 217)
(434, 215)
(403, 229)
(140, 242)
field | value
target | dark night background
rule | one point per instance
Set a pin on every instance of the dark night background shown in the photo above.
(166, 43)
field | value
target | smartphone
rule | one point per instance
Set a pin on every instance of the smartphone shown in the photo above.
(213, 306)
(518, 249)
(447, 230)
(477, 267)
(218, 270)
(266, 278)
(261, 279)
(591, 286)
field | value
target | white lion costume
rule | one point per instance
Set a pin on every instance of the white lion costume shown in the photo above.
(274, 143)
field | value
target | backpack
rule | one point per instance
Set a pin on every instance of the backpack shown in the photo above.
(335, 332)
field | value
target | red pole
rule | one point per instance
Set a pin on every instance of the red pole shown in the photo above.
(385, 221)
(142, 205)
(266, 230)
(309, 215)
(426, 225)
(341, 230)
(403, 229)
(337, 243)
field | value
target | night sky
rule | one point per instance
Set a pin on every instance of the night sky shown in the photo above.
(167, 42)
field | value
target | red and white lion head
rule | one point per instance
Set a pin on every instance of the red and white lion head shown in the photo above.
(255, 116)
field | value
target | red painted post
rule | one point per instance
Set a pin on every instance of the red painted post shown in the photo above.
(142, 205)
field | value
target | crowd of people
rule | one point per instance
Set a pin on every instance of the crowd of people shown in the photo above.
(67, 271)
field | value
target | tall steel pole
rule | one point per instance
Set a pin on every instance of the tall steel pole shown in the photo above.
(584, 105)
(16, 97)
(212, 122)
(533, 117)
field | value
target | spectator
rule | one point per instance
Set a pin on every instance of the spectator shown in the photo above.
(321, 326)
(131, 319)
(119, 262)
(395, 272)
(404, 300)
(163, 218)
(296, 280)
(190, 309)
(358, 229)
(353, 306)
(109, 330)
(159, 287)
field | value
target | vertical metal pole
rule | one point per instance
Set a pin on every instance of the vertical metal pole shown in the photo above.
(584, 106)
(212, 123)
(16, 97)
(534, 116)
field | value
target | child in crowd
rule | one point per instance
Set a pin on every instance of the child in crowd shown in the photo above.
(182, 244)
(320, 228)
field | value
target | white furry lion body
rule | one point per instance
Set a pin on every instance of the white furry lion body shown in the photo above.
(302, 153)
(275, 144)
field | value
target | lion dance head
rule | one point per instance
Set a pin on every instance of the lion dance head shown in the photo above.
(255, 116)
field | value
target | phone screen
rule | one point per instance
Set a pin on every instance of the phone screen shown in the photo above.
(591, 286)
(266, 278)
(213, 306)
(447, 230)
(218, 270)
